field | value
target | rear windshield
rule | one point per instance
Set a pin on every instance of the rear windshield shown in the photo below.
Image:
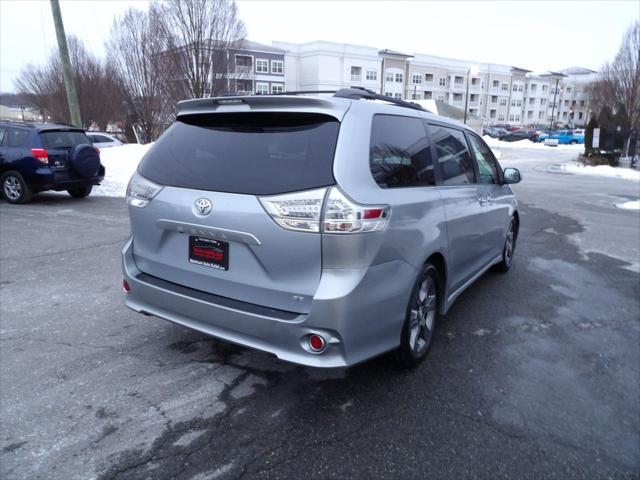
(63, 139)
(250, 153)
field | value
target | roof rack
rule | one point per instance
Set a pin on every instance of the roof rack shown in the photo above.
(358, 93)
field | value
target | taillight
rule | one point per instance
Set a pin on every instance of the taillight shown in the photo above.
(40, 155)
(342, 215)
(302, 211)
(298, 211)
(141, 191)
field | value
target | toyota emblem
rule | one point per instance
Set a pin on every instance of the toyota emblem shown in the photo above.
(202, 207)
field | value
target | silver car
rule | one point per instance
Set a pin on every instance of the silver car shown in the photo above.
(324, 229)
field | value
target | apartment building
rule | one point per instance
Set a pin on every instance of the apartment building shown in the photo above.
(496, 93)
(243, 68)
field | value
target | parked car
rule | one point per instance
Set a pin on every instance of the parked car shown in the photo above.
(519, 135)
(564, 137)
(325, 230)
(43, 156)
(494, 132)
(103, 140)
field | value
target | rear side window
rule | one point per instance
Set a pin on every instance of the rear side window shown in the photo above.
(16, 137)
(400, 155)
(453, 155)
(100, 139)
(63, 139)
(250, 153)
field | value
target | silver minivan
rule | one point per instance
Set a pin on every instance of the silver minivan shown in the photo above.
(323, 228)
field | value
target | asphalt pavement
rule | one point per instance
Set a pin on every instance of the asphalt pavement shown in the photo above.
(533, 374)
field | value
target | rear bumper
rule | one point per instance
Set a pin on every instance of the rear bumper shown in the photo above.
(359, 312)
(46, 179)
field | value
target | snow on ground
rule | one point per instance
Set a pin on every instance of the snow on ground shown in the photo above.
(601, 171)
(528, 144)
(631, 205)
(119, 163)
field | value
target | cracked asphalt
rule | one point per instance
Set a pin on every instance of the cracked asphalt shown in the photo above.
(533, 374)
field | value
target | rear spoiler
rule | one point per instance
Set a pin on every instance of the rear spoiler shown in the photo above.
(261, 102)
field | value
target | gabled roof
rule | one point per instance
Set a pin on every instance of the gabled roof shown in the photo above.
(245, 44)
(388, 51)
(577, 71)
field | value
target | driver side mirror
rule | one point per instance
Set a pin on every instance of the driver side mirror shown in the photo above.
(511, 175)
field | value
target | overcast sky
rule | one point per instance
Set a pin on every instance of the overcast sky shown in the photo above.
(539, 36)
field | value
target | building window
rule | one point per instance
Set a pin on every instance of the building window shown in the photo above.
(457, 80)
(582, 103)
(473, 97)
(372, 75)
(501, 118)
(579, 115)
(398, 96)
(514, 88)
(543, 101)
(277, 66)
(517, 118)
(262, 65)
(533, 87)
(496, 84)
(503, 102)
(356, 74)
(428, 95)
(492, 114)
(399, 78)
(520, 88)
(530, 115)
(442, 82)
(416, 79)
(540, 115)
(277, 88)
(388, 77)
(568, 89)
(244, 86)
(428, 77)
(388, 94)
(505, 86)
(566, 103)
(545, 88)
(244, 61)
(531, 100)
(262, 88)
(457, 97)
(441, 98)
(475, 81)
(415, 96)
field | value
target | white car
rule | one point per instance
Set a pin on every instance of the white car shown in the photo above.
(103, 140)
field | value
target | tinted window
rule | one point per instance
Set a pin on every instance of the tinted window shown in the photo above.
(3, 131)
(16, 137)
(400, 155)
(63, 139)
(453, 155)
(99, 139)
(487, 167)
(250, 153)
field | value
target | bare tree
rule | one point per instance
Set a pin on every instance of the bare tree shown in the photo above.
(99, 97)
(133, 49)
(197, 35)
(619, 82)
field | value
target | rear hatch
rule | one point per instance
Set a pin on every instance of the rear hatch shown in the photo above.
(59, 143)
(207, 227)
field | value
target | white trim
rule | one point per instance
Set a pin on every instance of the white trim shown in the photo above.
(281, 62)
(262, 84)
(262, 60)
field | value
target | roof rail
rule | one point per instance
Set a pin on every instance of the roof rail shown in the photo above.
(357, 93)
(22, 123)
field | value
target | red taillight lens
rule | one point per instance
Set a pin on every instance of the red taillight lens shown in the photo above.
(125, 287)
(373, 213)
(316, 343)
(40, 155)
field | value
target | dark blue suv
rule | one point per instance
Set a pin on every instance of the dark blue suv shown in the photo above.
(44, 156)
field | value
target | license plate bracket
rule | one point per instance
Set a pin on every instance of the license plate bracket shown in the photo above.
(209, 253)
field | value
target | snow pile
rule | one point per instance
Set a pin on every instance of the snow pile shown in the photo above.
(120, 163)
(601, 171)
(631, 205)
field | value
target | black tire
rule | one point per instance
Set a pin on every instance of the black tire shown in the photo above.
(573, 142)
(15, 189)
(80, 192)
(507, 257)
(416, 339)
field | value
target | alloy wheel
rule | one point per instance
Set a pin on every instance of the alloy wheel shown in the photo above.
(423, 313)
(12, 188)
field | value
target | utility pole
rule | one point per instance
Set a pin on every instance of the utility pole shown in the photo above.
(69, 85)
(466, 97)
(553, 107)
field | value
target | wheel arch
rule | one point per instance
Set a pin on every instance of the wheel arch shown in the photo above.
(438, 260)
